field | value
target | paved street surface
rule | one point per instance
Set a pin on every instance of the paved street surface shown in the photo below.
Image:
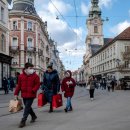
(109, 111)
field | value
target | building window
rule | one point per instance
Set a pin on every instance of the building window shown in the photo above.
(30, 60)
(2, 14)
(15, 42)
(3, 42)
(126, 64)
(30, 42)
(127, 48)
(14, 25)
(47, 49)
(30, 26)
(14, 61)
(114, 50)
(95, 29)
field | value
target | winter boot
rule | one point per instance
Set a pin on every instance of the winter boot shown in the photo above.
(22, 124)
(33, 119)
(51, 108)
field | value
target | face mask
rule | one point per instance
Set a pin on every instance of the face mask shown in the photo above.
(30, 71)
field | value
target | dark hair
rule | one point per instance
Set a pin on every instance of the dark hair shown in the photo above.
(49, 67)
(28, 65)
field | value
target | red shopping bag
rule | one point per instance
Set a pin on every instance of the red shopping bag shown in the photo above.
(57, 101)
(41, 100)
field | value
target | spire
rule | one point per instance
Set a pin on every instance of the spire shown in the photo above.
(24, 5)
(95, 2)
(94, 10)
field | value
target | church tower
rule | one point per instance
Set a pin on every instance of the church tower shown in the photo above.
(94, 25)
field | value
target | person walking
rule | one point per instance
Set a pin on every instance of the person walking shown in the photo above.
(112, 85)
(92, 84)
(5, 85)
(28, 84)
(51, 84)
(68, 86)
(108, 85)
(11, 83)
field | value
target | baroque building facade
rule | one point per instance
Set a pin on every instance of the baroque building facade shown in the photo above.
(29, 39)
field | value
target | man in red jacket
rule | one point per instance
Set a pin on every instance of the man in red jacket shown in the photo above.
(28, 84)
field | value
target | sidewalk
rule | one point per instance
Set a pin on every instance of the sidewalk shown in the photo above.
(109, 111)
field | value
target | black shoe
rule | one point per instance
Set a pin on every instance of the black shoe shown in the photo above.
(33, 119)
(66, 110)
(50, 111)
(22, 124)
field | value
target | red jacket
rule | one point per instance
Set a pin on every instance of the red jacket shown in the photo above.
(69, 90)
(28, 85)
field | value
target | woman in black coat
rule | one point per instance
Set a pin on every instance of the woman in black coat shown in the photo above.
(51, 84)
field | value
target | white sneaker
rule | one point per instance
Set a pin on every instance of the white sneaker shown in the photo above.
(92, 99)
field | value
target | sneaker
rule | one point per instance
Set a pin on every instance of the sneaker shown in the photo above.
(22, 124)
(92, 99)
(71, 109)
(65, 110)
(33, 119)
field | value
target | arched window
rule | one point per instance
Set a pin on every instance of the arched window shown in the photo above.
(2, 42)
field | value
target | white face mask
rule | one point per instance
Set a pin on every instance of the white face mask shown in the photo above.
(30, 71)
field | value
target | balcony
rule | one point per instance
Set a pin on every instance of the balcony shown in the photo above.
(30, 49)
(14, 49)
(40, 52)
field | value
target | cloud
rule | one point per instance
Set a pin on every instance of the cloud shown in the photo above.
(120, 27)
(85, 8)
(60, 31)
(105, 3)
(63, 7)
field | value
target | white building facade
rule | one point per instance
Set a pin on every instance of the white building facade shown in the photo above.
(113, 59)
(5, 59)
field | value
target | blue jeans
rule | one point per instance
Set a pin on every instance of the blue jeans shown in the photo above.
(68, 105)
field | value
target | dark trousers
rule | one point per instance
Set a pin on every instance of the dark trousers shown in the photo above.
(6, 90)
(91, 92)
(112, 88)
(28, 109)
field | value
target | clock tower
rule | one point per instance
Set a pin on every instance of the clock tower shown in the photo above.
(94, 25)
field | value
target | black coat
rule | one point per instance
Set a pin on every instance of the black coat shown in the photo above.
(51, 84)
(5, 83)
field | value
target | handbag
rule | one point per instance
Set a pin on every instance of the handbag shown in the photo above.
(15, 105)
(41, 100)
(88, 87)
(57, 101)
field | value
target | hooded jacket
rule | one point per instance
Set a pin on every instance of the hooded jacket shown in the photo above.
(68, 89)
(28, 85)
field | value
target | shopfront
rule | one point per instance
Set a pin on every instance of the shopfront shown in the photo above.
(5, 64)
